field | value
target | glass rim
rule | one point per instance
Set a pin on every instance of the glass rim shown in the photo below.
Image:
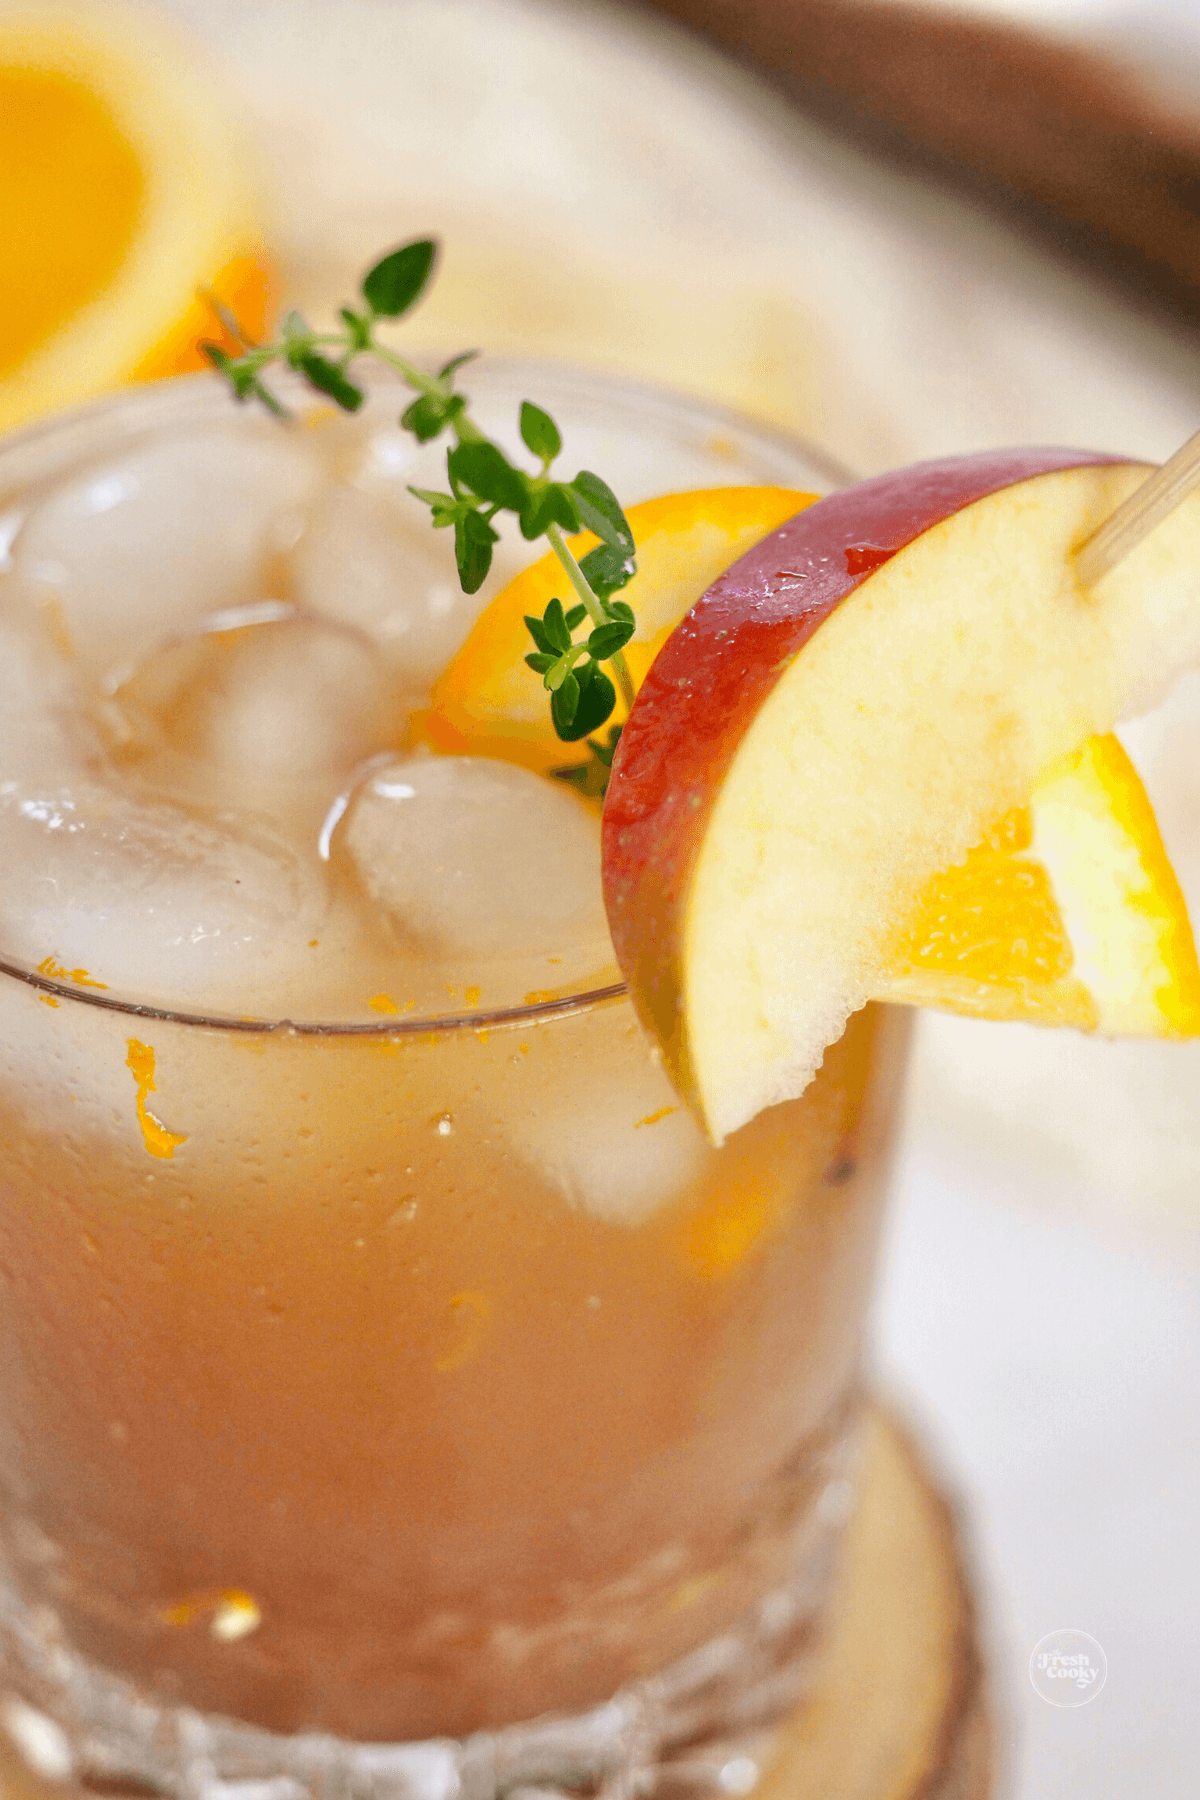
(173, 391)
(161, 403)
(523, 1013)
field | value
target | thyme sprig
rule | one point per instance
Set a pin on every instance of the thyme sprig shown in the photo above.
(482, 483)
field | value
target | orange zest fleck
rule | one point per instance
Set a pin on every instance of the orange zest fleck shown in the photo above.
(158, 1140)
(382, 1003)
(720, 1237)
(235, 1615)
(54, 971)
(664, 1112)
(231, 1614)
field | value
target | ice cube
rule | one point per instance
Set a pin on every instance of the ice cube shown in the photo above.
(383, 465)
(270, 696)
(130, 552)
(383, 568)
(151, 901)
(42, 725)
(621, 1148)
(482, 860)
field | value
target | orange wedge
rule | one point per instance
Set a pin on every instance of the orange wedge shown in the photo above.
(1069, 913)
(127, 200)
(487, 702)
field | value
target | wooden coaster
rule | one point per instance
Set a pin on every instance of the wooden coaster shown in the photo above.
(900, 1710)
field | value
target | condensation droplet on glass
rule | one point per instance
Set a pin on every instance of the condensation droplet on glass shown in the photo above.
(43, 1743)
(739, 1775)
(444, 1124)
(405, 1213)
(235, 1616)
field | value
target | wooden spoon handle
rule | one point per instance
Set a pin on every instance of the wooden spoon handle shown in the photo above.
(1068, 139)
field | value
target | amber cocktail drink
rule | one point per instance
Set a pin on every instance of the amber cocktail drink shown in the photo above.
(385, 1356)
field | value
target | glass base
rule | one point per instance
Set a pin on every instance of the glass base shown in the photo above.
(701, 1726)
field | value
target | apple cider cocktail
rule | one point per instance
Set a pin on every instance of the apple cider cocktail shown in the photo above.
(387, 1358)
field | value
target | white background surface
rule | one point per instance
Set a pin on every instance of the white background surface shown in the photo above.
(612, 192)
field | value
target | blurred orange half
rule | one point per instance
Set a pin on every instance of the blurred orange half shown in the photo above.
(127, 204)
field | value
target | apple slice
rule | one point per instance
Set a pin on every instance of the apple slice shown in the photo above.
(843, 715)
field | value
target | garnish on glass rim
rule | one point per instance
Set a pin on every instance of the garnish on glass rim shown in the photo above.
(483, 482)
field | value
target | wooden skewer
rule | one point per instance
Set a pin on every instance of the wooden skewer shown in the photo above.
(1136, 517)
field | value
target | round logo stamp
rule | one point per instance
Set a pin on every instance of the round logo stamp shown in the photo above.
(1068, 1668)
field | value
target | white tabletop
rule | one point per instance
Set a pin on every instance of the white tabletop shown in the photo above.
(611, 191)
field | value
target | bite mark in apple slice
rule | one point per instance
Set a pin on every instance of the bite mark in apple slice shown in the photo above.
(825, 732)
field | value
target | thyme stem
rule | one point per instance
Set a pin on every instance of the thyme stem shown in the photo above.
(579, 582)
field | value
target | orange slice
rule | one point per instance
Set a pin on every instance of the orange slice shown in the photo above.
(127, 197)
(1069, 913)
(488, 703)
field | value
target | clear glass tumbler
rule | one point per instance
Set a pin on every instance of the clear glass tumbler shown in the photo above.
(393, 1403)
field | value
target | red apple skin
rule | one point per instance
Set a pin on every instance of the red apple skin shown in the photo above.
(713, 674)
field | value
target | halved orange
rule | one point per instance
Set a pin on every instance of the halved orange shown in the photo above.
(127, 205)
(1069, 913)
(487, 702)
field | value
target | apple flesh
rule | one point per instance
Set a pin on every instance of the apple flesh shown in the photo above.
(842, 716)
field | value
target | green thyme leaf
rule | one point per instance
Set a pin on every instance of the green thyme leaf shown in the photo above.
(552, 505)
(445, 508)
(396, 282)
(541, 660)
(564, 704)
(606, 640)
(485, 470)
(606, 570)
(601, 512)
(358, 328)
(539, 634)
(263, 393)
(539, 433)
(456, 362)
(243, 380)
(576, 616)
(329, 379)
(596, 699)
(555, 625)
(428, 415)
(473, 540)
